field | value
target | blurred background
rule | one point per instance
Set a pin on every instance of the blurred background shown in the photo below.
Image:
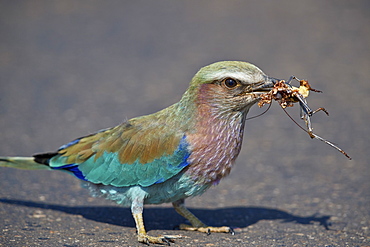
(70, 68)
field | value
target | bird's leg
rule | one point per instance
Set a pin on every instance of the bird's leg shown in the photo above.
(142, 236)
(196, 224)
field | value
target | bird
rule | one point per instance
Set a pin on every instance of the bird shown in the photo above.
(168, 156)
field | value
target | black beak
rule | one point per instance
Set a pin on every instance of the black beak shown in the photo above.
(265, 85)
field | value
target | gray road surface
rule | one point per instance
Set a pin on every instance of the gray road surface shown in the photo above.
(70, 68)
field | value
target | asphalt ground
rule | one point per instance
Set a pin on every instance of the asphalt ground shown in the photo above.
(70, 68)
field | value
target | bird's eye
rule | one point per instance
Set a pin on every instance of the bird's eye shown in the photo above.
(230, 83)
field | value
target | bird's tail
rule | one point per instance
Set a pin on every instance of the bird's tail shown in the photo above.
(27, 163)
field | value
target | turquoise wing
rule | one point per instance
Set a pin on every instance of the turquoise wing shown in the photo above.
(125, 155)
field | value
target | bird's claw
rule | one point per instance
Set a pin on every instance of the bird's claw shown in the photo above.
(167, 239)
(207, 229)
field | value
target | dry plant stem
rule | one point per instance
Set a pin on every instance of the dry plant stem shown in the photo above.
(286, 95)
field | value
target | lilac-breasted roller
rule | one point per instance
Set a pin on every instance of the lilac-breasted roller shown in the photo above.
(170, 155)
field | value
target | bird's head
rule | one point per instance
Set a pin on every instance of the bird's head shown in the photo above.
(229, 86)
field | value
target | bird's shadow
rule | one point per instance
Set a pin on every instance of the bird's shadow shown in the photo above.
(161, 218)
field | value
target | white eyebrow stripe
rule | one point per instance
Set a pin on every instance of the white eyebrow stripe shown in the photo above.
(239, 75)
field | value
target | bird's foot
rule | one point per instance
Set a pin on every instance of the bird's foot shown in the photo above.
(166, 239)
(207, 229)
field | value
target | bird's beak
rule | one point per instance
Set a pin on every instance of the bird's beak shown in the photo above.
(264, 86)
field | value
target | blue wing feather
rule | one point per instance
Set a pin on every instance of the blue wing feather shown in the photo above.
(109, 171)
